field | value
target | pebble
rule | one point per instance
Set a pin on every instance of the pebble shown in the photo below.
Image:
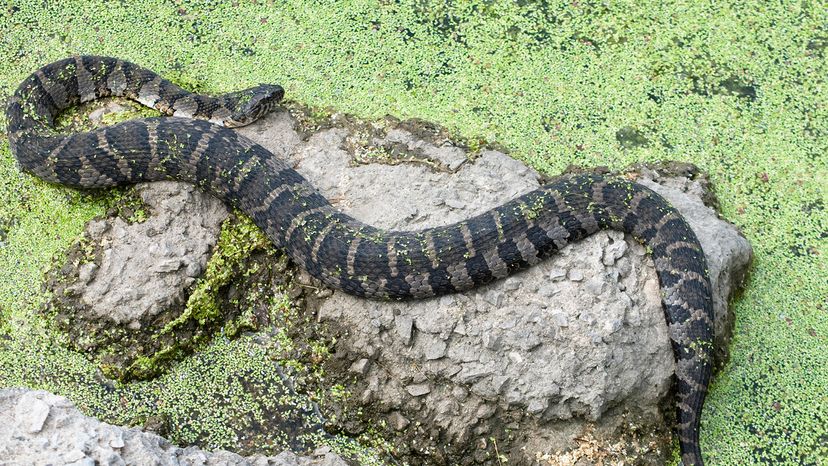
(418, 389)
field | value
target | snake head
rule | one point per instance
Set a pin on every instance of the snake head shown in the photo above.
(251, 104)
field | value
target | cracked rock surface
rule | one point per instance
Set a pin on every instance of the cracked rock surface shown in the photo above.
(37, 427)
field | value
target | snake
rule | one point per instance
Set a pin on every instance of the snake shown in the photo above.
(194, 142)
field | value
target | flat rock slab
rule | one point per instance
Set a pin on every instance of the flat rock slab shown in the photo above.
(37, 427)
(146, 267)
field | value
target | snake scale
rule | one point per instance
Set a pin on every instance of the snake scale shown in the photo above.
(196, 146)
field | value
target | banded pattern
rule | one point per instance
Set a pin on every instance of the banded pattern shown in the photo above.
(339, 250)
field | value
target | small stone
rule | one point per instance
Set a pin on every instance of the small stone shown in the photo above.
(360, 366)
(169, 265)
(31, 412)
(473, 372)
(404, 326)
(613, 326)
(436, 349)
(117, 440)
(397, 421)
(419, 389)
(576, 275)
(537, 406)
(557, 274)
(485, 411)
(96, 116)
(511, 284)
(86, 272)
(460, 328)
(96, 228)
(493, 297)
(194, 269)
(459, 393)
(492, 342)
(614, 251)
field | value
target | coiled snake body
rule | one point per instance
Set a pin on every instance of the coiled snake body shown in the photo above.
(335, 248)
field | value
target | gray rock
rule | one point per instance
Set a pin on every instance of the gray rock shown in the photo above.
(31, 412)
(397, 421)
(570, 342)
(405, 326)
(76, 439)
(360, 367)
(146, 267)
(616, 355)
(96, 116)
(418, 389)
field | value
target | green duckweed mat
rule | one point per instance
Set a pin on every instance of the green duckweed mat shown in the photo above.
(738, 89)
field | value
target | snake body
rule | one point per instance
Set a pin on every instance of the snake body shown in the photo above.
(196, 146)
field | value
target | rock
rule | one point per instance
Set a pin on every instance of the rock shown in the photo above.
(31, 412)
(596, 304)
(445, 154)
(404, 325)
(397, 421)
(96, 116)
(577, 340)
(80, 440)
(146, 267)
(360, 367)
(418, 389)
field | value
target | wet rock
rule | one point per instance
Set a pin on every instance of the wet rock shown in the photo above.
(65, 435)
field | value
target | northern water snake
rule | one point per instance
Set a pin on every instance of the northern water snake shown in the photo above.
(335, 248)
